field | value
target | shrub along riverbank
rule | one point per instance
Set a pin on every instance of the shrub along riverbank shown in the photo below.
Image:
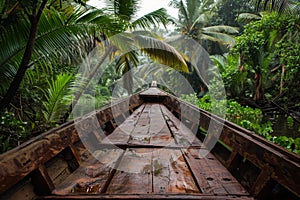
(247, 117)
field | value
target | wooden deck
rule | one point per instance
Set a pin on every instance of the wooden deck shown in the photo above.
(152, 153)
(137, 148)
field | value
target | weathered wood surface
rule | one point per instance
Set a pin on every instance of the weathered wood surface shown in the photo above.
(274, 162)
(152, 142)
(18, 163)
(147, 196)
(153, 159)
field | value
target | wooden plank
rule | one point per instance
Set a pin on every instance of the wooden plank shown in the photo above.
(133, 175)
(170, 173)
(218, 180)
(254, 148)
(159, 131)
(140, 134)
(121, 134)
(41, 181)
(150, 196)
(56, 169)
(153, 92)
(151, 128)
(261, 181)
(183, 136)
(92, 175)
(23, 190)
(197, 172)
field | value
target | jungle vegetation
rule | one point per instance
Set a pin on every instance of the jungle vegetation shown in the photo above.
(254, 44)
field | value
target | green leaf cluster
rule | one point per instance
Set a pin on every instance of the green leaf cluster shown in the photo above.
(245, 117)
(13, 131)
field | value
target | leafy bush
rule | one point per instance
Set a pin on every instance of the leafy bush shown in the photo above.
(246, 117)
(13, 132)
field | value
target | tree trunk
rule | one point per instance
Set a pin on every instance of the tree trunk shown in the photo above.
(258, 86)
(282, 79)
(15, 84)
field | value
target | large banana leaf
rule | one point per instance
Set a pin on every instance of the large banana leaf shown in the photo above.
(248, 17)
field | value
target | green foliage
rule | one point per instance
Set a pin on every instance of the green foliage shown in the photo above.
(13, 131)
(228, 11)
(57, 97)
(246, 117)
(191, 98)
(269, 49)
(290, 121)
(255, 39)
(289, 143)
(194, 21)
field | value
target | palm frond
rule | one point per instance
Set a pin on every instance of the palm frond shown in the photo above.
(154, 18)
(220, 61)
(280, 6)
(122, 64)
(54, 37)
(192, 8)
(162, 52)
(222, 29)
(221, 38)
(125, 9)
(248, 17)
(104, 23)
(13, 41)
(123, 42)
(57, 97)
(182, 11)
(203, 18)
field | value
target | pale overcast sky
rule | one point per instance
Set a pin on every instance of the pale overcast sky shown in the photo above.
(146, 6)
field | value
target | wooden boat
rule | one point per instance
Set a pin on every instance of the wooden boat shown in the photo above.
(150, 155)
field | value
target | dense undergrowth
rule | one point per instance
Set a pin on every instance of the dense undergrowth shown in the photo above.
(246, 117)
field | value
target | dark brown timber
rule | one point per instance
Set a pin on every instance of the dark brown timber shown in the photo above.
(146, 147)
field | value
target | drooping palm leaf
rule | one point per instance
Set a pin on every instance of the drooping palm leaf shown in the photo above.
(12, 41)
(161, 52)
(248, 17)
(124, 9)
(221, 38)
(222, 29)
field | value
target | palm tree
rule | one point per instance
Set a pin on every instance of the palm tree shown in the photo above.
(194, 16)
(193, 22)
(131, 38)
(32, 21)
(281, 9)
(34, 32)
(280, 6)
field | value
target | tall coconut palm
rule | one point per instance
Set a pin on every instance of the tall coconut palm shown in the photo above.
(194, 16)
(193, 22)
